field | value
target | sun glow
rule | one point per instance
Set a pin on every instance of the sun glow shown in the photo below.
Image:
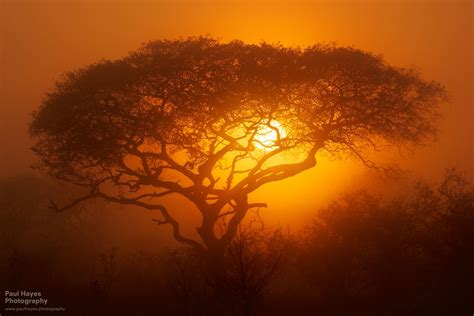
(269, 135)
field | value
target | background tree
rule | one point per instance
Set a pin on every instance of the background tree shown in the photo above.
(411, 255)
(253, 260)
(214, 122)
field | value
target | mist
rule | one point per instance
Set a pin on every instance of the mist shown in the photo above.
(41, 41)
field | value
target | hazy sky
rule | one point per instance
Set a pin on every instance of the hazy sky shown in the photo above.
(41, 39)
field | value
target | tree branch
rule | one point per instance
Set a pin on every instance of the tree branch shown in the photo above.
(168, 219)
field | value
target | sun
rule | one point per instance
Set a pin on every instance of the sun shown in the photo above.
(269, 134)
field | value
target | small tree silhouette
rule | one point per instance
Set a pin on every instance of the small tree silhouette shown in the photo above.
(214, 122)
(252, 261)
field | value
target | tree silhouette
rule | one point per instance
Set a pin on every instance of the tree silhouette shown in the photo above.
(214, 122)
(411, 255)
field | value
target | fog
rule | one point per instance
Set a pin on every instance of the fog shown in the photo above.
(41, 40)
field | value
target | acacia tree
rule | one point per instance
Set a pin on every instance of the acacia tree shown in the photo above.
(213, 122)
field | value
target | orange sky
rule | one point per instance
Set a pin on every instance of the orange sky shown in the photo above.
(41, 39)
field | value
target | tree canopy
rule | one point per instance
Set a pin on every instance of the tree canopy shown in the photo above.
(213, 122)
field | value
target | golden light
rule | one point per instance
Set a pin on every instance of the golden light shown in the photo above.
(269, 134)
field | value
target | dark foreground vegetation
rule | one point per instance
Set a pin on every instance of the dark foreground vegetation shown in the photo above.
(361, 255)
